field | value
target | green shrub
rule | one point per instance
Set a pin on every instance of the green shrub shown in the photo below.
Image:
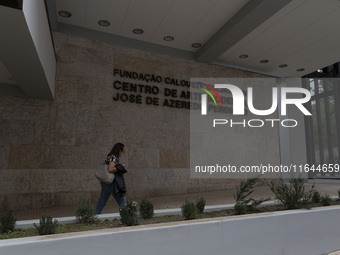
(200, 204)
(128, 214)
(146, 209)
(7, 222)
(245, 189)
(316, 197)
(243, 192)
(326, 200)
(240, 209)
(47, 226)
(292, 195)
(189, 210)
(85, 212)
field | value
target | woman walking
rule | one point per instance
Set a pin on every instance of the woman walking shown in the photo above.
(117, 187)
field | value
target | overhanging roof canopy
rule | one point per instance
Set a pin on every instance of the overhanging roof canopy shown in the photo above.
(281, 38)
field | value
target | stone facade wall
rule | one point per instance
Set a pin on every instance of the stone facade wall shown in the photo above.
(49, 149)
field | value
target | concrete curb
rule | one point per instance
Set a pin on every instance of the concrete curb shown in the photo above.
(288, 232)
(334, 253)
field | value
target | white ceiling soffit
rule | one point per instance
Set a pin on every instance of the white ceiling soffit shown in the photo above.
(189, 21)
(304, 36)
(26, 52)
(298, 34)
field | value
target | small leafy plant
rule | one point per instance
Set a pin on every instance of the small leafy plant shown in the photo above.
(200, 204)
(7, 222)
(189, 210)
(243, 192)
(146, 209)
(326, 200)
(292, 195)
(316, 197)
(240, 209)
(128, 213)
(85, 212)
(47, 226)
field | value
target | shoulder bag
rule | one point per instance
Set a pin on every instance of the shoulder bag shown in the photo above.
(103, 174)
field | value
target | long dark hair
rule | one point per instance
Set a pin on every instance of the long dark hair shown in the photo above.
(116, 149)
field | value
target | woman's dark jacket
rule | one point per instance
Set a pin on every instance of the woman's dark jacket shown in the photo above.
(119, 182)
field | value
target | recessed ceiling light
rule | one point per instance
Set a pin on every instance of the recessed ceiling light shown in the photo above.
(169, 38)
(283, 66)
(138, 31)
(64, 14)
(243, 56)
(196, 45)
(300, 70)
(264, 61)
(320, 71)
(104, 23)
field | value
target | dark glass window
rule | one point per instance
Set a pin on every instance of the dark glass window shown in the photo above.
(322, 128)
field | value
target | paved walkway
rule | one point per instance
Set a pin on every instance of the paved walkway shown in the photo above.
(221, 197)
